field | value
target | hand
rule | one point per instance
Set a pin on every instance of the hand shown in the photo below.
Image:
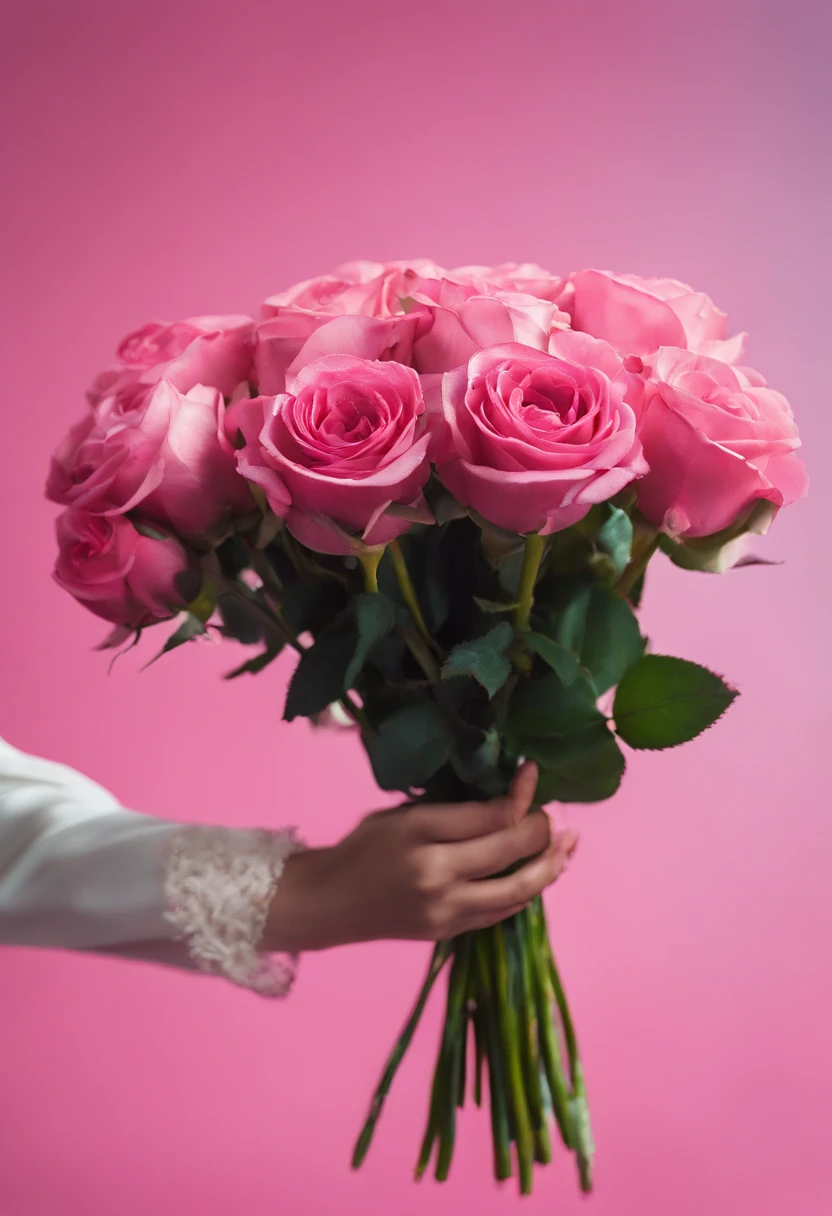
(420, 872)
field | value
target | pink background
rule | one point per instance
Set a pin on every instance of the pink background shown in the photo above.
(179, 158)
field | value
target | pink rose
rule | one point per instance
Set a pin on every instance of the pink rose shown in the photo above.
(539, 438)
(524, 277)
(293, 338)
(348, 442)
(115, 571)
(156, 446)
(717, 441)
(637, 315)
(215, 351)
(370, 289)
(468, 317)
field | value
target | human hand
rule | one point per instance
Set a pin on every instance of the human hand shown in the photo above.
(422, 872)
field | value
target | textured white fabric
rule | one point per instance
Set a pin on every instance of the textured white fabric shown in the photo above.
(78, 871)
(219, 883)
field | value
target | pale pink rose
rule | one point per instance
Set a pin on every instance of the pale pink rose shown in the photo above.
(539, 438)
(161, 448)
(294, 337)
(370, 289)
(216, 351)
(340, 452)
(116, 572)
(717, 441)
(524, 277)
(637, 315)
(468, 317)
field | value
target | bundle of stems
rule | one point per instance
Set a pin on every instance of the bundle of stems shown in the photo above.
(507, 1024)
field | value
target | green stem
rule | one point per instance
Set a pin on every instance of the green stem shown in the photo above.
(644, 546)
(441, 955)
(533, 550)
(370, 559)
(355, 711)
(278, 628)
(408, 591)
(491, 1044)
(422, 653)
(511, 1050)
(525, 987)
(271, 619)
(453, 1049)
(261, 565)
(584, 1144)
(480, 1049)
(434, 1115)
(550, 1049)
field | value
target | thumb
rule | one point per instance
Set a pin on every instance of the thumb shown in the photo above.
(522, 790)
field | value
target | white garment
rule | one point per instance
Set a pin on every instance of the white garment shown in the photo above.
(78, 871)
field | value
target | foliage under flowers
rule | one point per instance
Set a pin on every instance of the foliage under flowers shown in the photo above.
(443, 489)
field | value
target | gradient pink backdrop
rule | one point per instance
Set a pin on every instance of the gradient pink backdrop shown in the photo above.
(178, 158)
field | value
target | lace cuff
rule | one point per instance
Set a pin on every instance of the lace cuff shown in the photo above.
(218, 885)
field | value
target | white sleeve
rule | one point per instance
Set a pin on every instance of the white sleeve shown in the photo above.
(79, 872)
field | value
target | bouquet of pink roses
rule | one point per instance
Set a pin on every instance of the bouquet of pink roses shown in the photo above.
(443, 489)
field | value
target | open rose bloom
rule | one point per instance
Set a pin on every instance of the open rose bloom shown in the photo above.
(444, 489)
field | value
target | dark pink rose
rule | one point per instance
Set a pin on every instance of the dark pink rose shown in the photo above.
(116, 572)
(339, 452)
(717, 440)
(468, 317)
(216, 351)
(156, 446)
(538, 438)
(637, 315)
(369, 289)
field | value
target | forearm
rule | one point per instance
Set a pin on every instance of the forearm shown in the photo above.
(77, 871)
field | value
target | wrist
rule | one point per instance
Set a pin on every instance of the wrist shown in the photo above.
(299, 917)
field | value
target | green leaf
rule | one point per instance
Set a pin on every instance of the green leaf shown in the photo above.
(375, 617)
(310, 605)
(255, 664)
(590, 777)
(569, 624)
(600, 629)
(409, 746)
(240, 619)
(664, 701)
(547, 708)
(615, 537)
(332, 665)
(560, 659)
(478, 767)
(560, 727)
(318, 679)
(483, 658)
(190, 628)
(612, 641)
(556, 750)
